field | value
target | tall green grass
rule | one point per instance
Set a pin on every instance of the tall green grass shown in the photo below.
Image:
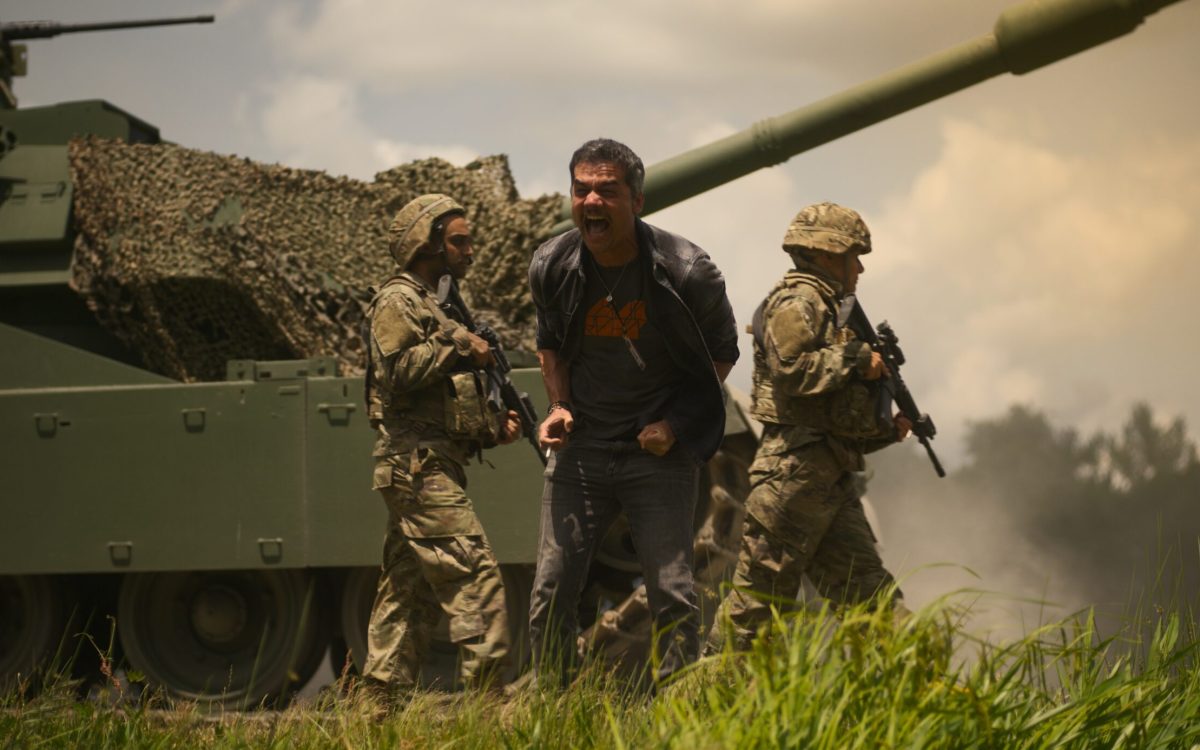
(867, 680)
(820, 679)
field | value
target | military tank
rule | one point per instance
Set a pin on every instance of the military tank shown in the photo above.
(186, 457)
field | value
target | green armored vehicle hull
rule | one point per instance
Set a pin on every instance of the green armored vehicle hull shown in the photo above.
(182, 441)
(216, 508)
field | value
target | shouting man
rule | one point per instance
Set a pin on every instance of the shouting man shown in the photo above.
(635, 335)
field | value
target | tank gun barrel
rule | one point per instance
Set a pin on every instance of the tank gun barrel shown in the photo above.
(16, 31)
(1026, 36)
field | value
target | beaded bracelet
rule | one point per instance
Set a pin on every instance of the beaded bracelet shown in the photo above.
(559, 405)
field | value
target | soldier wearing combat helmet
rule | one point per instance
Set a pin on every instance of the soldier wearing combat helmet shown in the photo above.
(815, 393)
(423, 399)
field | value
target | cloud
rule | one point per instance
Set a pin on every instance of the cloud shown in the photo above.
(1020, 273)
(391, 153)
(227, 9)
(316, 122)
(399, 46)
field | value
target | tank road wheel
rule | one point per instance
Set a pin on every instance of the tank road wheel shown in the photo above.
(33, 628)
(441, 666)
(235, 639)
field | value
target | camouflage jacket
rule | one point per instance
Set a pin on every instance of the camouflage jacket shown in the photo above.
(807, 370)
(418, 389)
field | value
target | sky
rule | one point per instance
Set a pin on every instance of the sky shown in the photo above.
(1037, 237)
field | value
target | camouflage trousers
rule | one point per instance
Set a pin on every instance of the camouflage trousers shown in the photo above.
(804, 517)
(436, 560)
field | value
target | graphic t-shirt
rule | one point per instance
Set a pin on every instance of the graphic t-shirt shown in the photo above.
(623, 374)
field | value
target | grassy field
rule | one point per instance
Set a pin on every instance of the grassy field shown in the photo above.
(817, 680)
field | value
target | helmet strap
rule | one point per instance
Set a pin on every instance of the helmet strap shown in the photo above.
(429, 269)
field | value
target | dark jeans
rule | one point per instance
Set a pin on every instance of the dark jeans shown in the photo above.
(587, 484)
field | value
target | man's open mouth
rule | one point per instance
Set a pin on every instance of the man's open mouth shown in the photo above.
(595, 225)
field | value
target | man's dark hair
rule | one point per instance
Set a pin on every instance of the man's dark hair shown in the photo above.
(600, 150)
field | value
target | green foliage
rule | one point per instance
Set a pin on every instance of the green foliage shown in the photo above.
(850, 679)
(1023, 454)
(1108, 512)
(1146, 453)
(866, 680)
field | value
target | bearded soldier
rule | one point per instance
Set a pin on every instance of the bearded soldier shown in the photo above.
(815, 391)
(426, 403)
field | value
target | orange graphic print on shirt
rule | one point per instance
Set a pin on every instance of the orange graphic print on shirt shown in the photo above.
(601, 319)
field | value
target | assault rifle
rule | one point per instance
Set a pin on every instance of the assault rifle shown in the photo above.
(884, 341)
(452, 303)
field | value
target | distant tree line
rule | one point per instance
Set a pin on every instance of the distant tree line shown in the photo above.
(1120, 512)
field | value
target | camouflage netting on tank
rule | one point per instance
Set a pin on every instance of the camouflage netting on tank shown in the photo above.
(193, 259)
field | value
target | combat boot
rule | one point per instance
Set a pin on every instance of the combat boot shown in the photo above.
(383, 700)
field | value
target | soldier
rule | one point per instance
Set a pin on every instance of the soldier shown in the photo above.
(814, 392)
(424, 401)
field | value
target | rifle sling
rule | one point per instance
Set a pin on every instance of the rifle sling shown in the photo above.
(756, 325)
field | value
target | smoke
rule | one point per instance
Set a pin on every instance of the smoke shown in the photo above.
(1039, 524)
(1049, 277)
(938, 541)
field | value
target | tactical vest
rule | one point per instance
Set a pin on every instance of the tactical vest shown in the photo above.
(456, 406)
(848, 412)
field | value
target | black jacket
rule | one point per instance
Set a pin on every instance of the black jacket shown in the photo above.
(687, 298)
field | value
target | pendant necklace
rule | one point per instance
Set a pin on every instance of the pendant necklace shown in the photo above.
(633, 352)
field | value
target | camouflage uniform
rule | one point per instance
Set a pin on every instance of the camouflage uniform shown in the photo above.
(429, 416)
(804, 515)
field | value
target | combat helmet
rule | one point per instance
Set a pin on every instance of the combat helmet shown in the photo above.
(410, 228)
(829, 228)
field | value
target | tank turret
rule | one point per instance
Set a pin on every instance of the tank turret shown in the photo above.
(36, 191)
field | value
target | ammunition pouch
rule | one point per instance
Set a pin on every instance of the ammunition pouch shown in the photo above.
(860, 411)
(469, 413)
